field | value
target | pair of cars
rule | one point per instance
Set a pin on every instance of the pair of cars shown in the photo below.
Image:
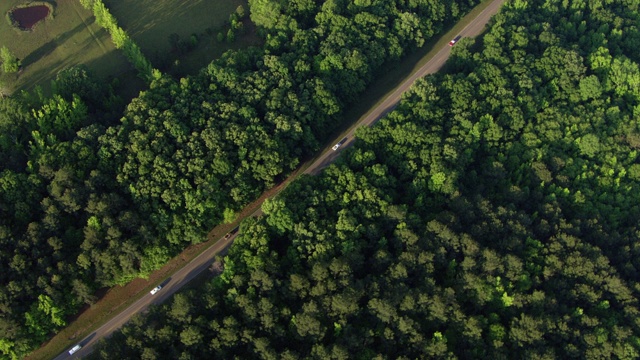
(455, 40)
(76, 348)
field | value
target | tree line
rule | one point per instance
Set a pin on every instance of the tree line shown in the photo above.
(94, 195)
(492, 214)
(121, 39)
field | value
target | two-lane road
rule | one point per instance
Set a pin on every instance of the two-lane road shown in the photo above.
(206, 258)
(169, 286)
(474, 28)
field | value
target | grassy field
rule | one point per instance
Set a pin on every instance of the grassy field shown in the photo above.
(151, 22)
(70, 38)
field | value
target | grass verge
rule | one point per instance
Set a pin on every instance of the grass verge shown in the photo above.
(119, 298)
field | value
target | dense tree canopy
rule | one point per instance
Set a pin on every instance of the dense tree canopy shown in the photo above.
(493, 214)
(89, 201)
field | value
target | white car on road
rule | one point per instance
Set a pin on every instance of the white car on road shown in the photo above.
(75, 349)
(156, 289)
(336, 146)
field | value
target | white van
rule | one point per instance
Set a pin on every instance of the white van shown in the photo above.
(75, 349)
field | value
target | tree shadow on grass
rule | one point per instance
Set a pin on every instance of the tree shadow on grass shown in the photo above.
(115, 66)
(39, 78)
(50, 46)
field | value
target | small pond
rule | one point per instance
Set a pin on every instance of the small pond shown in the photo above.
(27, 17)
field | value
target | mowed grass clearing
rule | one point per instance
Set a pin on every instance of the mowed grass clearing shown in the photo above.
(70, 38)
(150, 22)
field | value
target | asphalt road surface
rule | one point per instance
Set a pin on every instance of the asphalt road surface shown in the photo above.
(206, 258)
(474, 28)
(169, 286)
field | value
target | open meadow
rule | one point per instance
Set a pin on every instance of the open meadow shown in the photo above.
(152, 23)
(70, 37)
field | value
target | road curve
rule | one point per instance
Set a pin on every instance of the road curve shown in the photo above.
(206, 258)
(474, 28)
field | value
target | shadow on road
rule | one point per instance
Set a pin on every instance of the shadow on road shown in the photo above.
(200, 271)
(86, 340)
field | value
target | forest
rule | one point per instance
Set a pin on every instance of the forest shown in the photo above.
(96, 192)
(492, 215)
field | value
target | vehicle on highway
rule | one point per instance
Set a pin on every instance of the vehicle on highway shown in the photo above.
(191, 269)
(156, 289)
(455, 40)
(230, 233)
(336, 146)
(74, 349)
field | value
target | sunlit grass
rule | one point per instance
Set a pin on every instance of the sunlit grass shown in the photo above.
(68, 38)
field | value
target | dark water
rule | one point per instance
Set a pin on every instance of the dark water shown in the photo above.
(29, 16)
